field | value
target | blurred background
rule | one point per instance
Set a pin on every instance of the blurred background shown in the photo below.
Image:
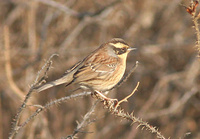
(169, 69)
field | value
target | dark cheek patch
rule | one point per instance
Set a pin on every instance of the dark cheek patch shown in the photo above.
(120, 51)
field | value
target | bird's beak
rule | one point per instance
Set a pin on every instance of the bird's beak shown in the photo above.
(131, 49)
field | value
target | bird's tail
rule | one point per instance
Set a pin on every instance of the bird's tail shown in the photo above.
(64, 79)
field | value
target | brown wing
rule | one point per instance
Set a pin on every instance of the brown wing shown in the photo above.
(95, 67)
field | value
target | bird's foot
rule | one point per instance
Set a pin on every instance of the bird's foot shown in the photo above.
(106, 100)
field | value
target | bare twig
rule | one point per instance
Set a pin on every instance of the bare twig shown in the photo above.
(47, 65)
(157, 89)
(119, 112)
(74, 33)
(127, 97)
(174, 107)
(49, 104)
(59, 6)
(71, 12)
(196, 26)
(15, 126)
(8, 67)
(87, 19)
(32, 28)
(14, 14)
(86, 121)
(195, 17)
(82, 24)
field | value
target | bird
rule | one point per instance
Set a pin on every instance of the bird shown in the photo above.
(100, 71)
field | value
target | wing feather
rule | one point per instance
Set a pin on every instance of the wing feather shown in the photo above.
(96, 69)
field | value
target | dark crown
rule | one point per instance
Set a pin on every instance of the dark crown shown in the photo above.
(117, 40)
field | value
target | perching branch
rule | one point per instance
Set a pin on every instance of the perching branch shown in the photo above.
(50, 104)
(119, 112)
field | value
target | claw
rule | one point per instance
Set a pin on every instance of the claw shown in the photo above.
(105, 99)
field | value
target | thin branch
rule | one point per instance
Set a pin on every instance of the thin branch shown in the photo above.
(15, 126)
(47, 65)
(32, 38)
(195, 17)
(127, 97)
(59, 6)
(71, 12)
(119, 112)
(50, 104)
(174, 107)
(86, 19)
(157, 89)
(86, 121)
(196, 27)
(8, 67)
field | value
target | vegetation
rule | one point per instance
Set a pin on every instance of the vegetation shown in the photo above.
(41, 39)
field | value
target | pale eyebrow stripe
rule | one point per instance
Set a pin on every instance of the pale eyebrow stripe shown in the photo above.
(117, 41)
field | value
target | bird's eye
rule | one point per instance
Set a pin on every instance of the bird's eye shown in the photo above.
(120, 51)
(123, 49)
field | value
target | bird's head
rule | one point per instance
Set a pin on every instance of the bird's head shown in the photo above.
(119, 47)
